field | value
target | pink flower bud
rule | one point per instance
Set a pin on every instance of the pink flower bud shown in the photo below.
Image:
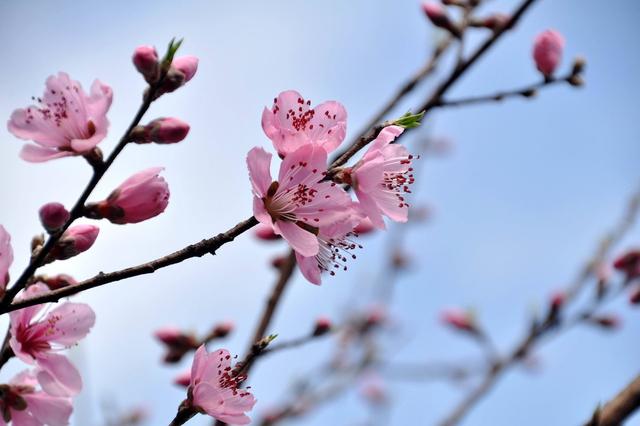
(58, 281)
(607, 321)
(177, 343)
(183, 379)
(223, 329)
(496, 21)
(74, 241)
(53, 216)
(629, 264)
(438, 17)
(6, 258)
(162, 131)
(376, 315)
(145, 59)
(322, 326)
(547, 51)
(364, 227)
(458, 319)
(141, 197)
(634, 296)
(169, 335)
(278, 262)
(557, 300)
(265, 233)
(182, 70)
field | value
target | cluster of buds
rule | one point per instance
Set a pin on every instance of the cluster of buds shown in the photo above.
(178, 342)
(161, 130)
(171, 73)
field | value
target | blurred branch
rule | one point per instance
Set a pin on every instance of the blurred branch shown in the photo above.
(552, 323)
(616, 411)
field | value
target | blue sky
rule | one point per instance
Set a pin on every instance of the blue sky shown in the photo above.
(518, 206)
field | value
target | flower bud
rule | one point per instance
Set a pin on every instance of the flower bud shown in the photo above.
(58, 281)
(629, 264)
(183, 379)
(606, 321)
(145, 59)
(141, 197)
(265, 233)
(496, 21)
(459, 319)
(375, 316)
(182, 70)
(279, 262)
(53, 216)
(322, 326)
(161, 130)
(547, 51)
(74, 241)
(222, 329)
(634, 296)
(438, 17)
(177, 342)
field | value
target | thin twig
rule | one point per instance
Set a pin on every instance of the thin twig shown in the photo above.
(616, 411)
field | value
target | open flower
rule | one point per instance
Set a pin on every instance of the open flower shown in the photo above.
(37, 334)
(215, 390)
(25, 405)
(297, 204)
(291, 123)
(65, 122)
(6, 258)
(143, 196)
(382, 177)
(335, 247)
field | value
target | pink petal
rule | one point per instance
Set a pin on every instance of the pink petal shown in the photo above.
(28, 126)
(370, 208)
(58, 376)
(198, 365)
(307, 161)
(50, 410)
(6, 256)
(23, 418)
(259, 163)
(309, 268)
(369, 174)
(302, 241)
(388, 203)
(385, 137)
(329, 125)
(260, 212)
(69, 323)
(37, 154)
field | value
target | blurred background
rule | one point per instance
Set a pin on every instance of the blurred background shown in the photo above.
(516, 207)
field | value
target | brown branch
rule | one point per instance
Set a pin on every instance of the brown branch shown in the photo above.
(524, 92)
(194, 250)
(616, 411)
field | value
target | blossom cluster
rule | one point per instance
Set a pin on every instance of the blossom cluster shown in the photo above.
(307, 205)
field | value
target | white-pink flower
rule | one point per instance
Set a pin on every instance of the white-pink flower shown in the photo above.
(65, 122)
(25, 405)
(335, 247)
(6, 258)
(291, 123)
(215, 390)
(298, 203)
(38, 334)
(143, 196)
(382, 177)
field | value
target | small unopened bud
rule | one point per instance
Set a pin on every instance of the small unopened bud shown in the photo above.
(37, 242)
(177, 343)
(529, 93)
(222, 330)
(496, 21)
(606, 321)
(182, 70)
(547, 51)
(279, 262)
(265, 233)
(634, 295)
(58, 281)
(375, 316)
(555, 305)
(161, 130)
(53, 216)
(459, 319)
(145, 59)
(579, 63)
(629, 264)
(438, 17)
(74, 241)
(575, 81)
(183, 379)
(322, 326)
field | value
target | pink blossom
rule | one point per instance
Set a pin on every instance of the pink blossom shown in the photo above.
(25, 405)
(53, 216)
(6, 258)
(547, 51)
(145, 59)
(364, 227)
(335, 247)
(298, 203)
(74, 241)
(66, 122)
(629, 264)
(215, 390)
(37, 334)
(438, 17)
(141, 197)
(382, 178)
(183, 379)
(291, 123)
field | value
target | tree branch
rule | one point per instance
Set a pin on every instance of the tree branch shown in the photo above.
(619, 408)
